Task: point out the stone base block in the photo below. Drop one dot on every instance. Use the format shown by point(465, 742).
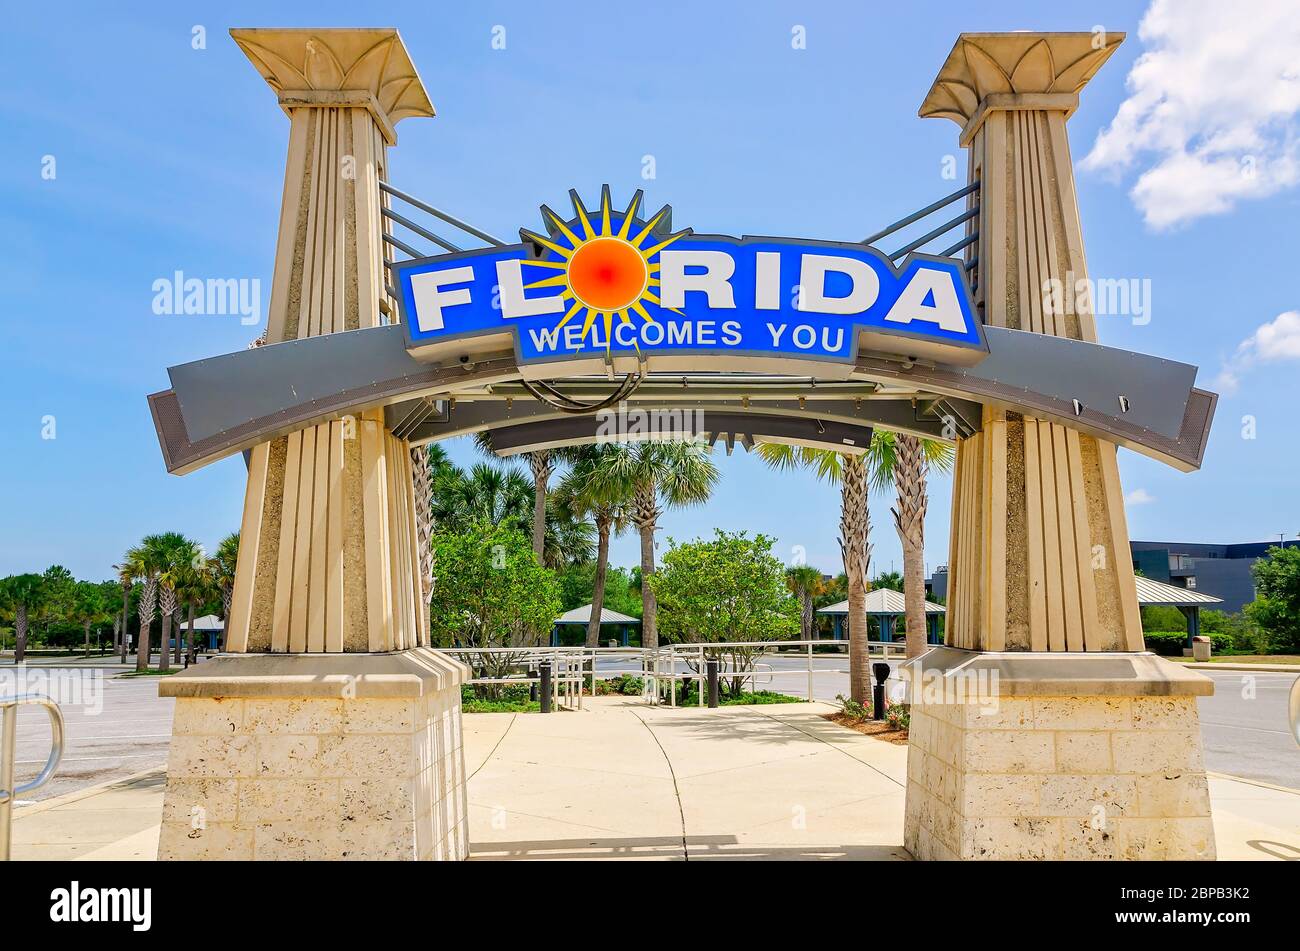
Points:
point(1055, 757)
point(317, 757)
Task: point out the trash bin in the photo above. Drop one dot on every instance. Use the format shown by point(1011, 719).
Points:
point(1200, 648)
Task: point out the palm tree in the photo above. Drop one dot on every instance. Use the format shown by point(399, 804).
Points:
point(850, 471)
point(654, 475)
point(194, 584)
point(487, 493)
point(579, 495)
point(21, 595)
point(150, 560)
point(542, 466)
point(904, 461)
point(222, 565)
point(570, 536)
point(125, 577)
point(806, 582)
point(183, 560)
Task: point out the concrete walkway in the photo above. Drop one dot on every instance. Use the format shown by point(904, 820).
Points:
point(620, 780)
point(624, 780)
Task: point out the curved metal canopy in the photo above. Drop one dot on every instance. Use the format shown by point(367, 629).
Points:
point(226, 404)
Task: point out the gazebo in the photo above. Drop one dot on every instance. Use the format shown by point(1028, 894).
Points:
point(1158, 594)
point(581, 616)
point(208, 628)
point(886, 606)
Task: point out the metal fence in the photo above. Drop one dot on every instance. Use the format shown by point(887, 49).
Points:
point(574, 671)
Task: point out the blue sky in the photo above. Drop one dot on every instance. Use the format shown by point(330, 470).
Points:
point(170, 158)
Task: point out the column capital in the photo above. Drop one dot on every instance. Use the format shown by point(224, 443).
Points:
point(992, 71)
point(360, 68)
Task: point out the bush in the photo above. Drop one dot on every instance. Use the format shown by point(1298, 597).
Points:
point(627, 685)
point(898, 715)
point(1171, 643)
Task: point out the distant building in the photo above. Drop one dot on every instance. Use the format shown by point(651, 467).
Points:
point(1220, 570)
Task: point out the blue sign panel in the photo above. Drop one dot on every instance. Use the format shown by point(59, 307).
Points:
point(609, 282)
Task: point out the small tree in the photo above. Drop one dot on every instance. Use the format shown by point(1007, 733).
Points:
point(1277, 604)
point(21, 596)
point(490, 591)
point(729, 589)
point(90, 605)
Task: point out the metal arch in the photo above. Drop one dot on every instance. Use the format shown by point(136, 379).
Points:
point(933, 418)
point(222, 405)
point(746, 427)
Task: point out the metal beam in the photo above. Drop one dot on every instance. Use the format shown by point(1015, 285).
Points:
point(223, 405)
point(801, 431)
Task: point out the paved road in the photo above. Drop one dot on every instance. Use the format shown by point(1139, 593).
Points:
point(117, 727)
point(1245, 734)
point(112, 728)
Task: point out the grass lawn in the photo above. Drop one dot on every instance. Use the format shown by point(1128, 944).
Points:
point(152, 672)
point(1252, 659)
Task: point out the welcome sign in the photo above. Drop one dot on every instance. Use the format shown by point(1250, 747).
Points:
point(610, 283)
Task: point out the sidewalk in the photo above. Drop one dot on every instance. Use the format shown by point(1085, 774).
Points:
point(622, 780)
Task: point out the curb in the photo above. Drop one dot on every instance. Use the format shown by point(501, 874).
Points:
point(1264, 668)
point(79, 794)
point(1253, 782)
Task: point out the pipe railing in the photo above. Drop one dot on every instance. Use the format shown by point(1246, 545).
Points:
point(8, 738)
point(575, 669)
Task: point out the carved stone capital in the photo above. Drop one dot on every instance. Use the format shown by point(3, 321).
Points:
point(366, 68)
point(987, 71)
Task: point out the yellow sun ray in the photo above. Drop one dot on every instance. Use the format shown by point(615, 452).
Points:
point(554, 265)
point(663, 244)
point(560, 280)
point(649, 227)
point(582, 213)
point(577, 306)
point(630, 214)
point(642, 312)
point(562, 251)
point(604, 212)
point(564, 228)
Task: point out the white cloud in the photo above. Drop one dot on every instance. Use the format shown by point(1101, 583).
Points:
point(1275, 341)
point(1139, 497)
point(1211, 117)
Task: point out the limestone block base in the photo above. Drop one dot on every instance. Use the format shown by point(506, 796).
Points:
point(317, 757)
point(1062, 756)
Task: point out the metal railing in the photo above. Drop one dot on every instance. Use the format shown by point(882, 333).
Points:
point(404, 215)
point(575, 670)
point(8, 737)
point(968, 221)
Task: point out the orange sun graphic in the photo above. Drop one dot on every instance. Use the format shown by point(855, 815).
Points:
point(608, 270)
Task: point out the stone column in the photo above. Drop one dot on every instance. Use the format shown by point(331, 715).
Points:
point(1041, 579)
point(349, 746)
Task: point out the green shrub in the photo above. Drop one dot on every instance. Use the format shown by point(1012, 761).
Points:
point(853, 709)
point(898, 715)
point(1171, 643)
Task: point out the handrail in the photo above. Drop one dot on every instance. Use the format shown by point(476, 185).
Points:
point(8, 736)
point(574, 667)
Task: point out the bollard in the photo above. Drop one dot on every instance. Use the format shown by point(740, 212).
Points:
point(878, 691)
point(544, 690)
point(711, 667)
point(532, 686)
